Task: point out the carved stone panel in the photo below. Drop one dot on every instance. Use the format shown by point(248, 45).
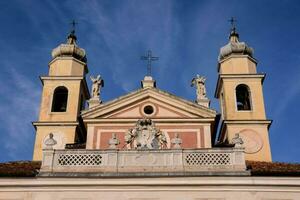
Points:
point(145, 136)
point(252, 141)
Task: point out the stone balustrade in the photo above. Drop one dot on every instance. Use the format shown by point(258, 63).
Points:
point(165, 162)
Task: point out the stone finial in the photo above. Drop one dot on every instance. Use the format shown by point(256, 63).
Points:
point(148, 82)
point(50, 142)
point(98, 83)
point(237, 141)
point(199, 83)
point(113, 142)
point(176, 141)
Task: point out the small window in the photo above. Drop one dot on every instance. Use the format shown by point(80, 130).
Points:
point(60, 99)
point(243, 97)
point(148, 110)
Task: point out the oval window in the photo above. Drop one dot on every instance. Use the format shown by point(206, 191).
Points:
point(148, 110)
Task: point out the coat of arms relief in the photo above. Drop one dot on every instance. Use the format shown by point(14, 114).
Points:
point(145, 136)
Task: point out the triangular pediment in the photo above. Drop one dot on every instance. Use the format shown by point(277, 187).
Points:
point(151, 103)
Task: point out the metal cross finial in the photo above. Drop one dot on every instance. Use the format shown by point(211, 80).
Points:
point(149, 58)
point(73, 24)
point(232, 22)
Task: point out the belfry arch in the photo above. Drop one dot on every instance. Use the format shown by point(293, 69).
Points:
point(243, 97)
point(60, 99)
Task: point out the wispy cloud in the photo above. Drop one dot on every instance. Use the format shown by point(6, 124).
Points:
point(288, 94)
point(124, 32)
point(18, 107)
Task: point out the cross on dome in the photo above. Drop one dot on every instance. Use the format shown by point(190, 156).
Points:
point(232, 22)
point(73, 26)
point(72, 37)
point(234, 36)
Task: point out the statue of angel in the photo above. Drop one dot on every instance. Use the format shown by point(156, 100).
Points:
point(199, 83)
point(98, 83)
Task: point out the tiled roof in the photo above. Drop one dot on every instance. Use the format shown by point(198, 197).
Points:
point(273, 168)
point(20, 169)
point(31, 169)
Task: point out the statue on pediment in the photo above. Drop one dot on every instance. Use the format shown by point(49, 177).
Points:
point(95, 99)
point(145, 136)
point(199, 83)
point(98, 83)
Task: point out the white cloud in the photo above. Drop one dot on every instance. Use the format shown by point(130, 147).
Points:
point(18, 107)
point(288, 94)
point(124, 30)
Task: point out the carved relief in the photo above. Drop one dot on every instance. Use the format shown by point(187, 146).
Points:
point(145, 136)
point(252, 141)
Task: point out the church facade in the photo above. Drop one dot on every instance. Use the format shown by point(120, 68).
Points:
point(239, 89)
point(150, 144)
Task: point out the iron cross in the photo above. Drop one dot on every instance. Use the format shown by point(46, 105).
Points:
point(73, 24)
point(149, 58)
point(232, 22)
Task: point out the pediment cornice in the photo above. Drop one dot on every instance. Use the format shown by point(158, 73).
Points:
point(114, 106)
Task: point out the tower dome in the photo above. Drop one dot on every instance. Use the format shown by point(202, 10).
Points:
point(235, 47)
point(70, 49)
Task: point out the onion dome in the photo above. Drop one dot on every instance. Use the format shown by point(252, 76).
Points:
point(70, 49)
point(235, 47)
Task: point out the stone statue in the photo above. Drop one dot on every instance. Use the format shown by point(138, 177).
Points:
point(199, 83)
point(176, 142)
point(237, 141)
point(113, 142)
point(145, 136)
point(98, 83)
point(50, 142)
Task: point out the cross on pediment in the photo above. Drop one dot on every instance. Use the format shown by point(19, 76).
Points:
point(149, 58)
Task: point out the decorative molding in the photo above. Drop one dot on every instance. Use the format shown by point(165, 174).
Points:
point(131, 98)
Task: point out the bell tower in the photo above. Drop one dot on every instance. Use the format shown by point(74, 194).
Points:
point(240, 92)
point(64, 95)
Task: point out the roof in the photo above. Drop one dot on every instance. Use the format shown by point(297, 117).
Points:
point(132, 97)
point(20, 169)
point(31, 168)
point(273, 168)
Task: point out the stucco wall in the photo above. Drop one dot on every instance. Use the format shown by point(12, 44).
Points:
point(187, 188)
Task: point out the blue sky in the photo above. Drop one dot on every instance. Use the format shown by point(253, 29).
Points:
point(186, 35)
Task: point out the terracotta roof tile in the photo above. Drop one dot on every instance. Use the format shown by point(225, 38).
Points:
point(20, 169)
point(273, 168)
